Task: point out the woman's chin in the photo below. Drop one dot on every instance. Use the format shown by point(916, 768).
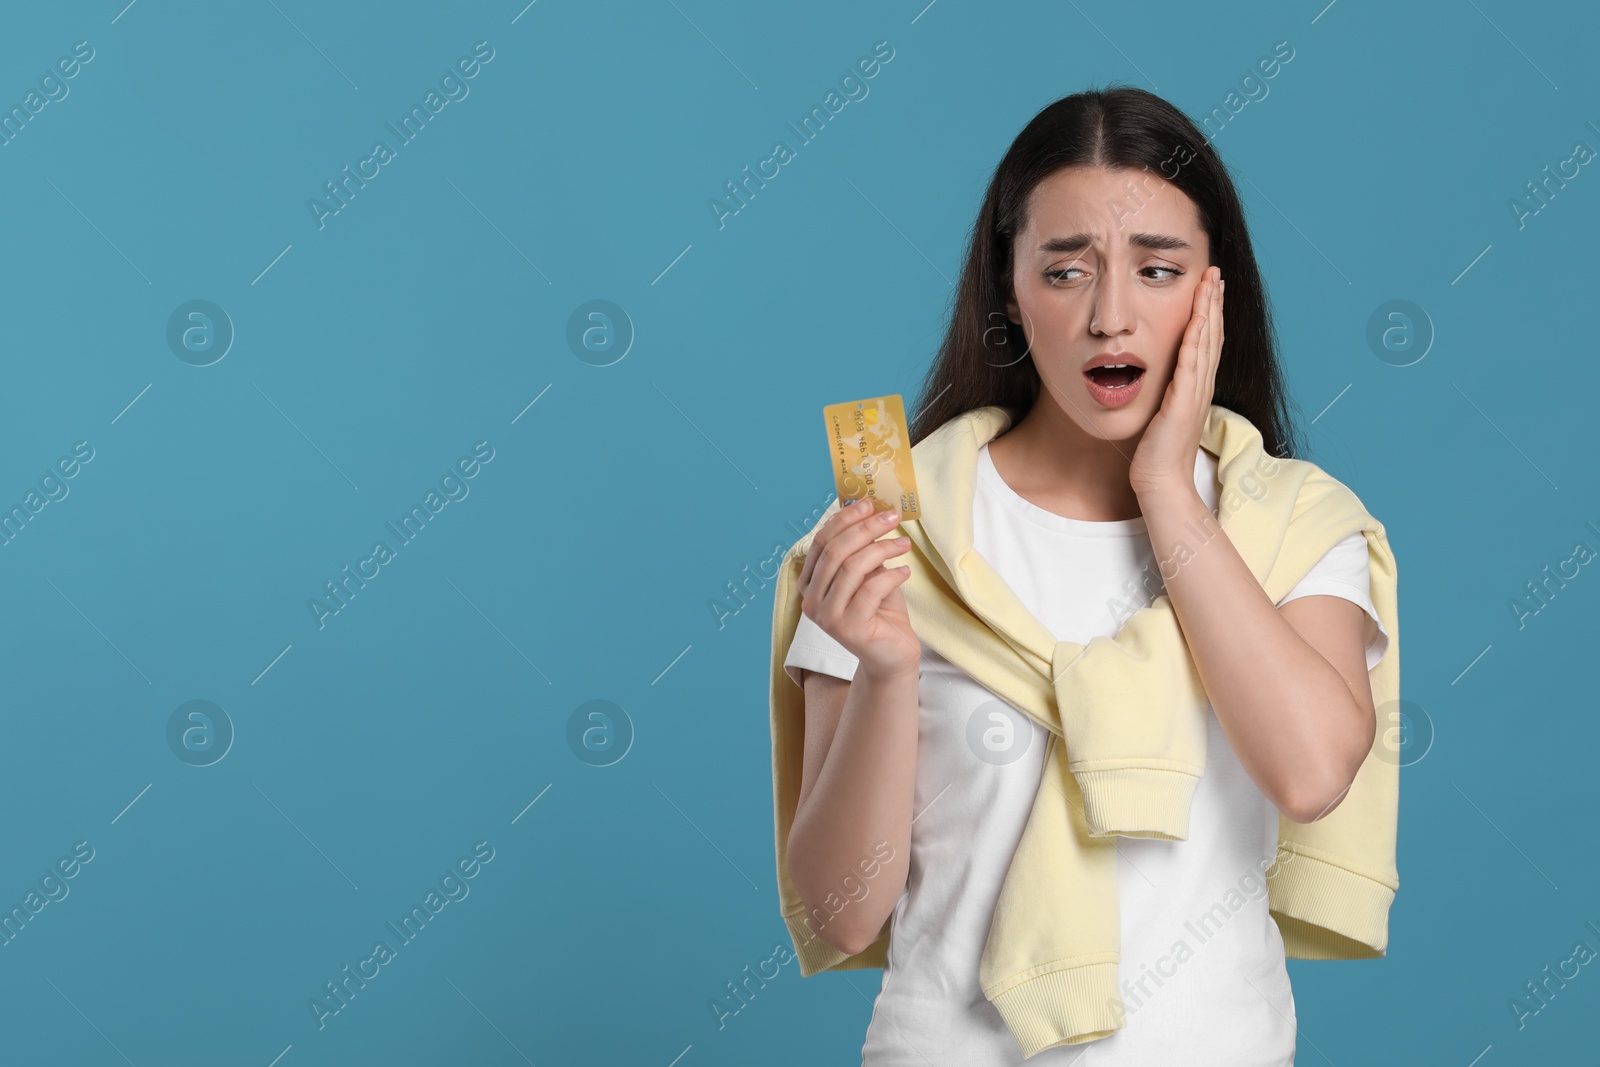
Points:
point(1125, 423)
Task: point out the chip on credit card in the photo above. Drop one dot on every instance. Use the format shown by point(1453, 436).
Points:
point(871, 448)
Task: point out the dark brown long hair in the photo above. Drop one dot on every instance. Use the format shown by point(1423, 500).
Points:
point(1118, 126)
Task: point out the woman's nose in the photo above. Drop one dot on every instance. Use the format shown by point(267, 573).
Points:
point(1110, 305)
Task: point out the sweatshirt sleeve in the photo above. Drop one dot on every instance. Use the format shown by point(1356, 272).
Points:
point(1344, 572)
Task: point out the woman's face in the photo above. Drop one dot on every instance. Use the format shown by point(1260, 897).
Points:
point(1108, 264)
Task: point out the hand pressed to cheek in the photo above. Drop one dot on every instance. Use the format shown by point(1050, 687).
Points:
point(1165, 456)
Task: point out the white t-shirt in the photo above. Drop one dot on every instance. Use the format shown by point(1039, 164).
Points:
point(1202, 970)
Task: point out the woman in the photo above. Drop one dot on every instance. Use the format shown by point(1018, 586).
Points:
point(1090, 307)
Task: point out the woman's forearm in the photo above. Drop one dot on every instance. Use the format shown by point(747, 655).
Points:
point(858, 812)
point(1287, 711)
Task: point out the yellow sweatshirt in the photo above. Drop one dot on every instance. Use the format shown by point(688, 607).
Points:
point(1127, 717)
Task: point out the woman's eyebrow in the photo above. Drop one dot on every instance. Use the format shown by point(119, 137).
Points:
point(1077, 242)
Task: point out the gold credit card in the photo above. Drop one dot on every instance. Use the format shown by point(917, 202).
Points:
point(871, 448)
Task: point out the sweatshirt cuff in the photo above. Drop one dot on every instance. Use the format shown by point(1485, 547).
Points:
point(1137, 802)
point(1328, 912)
point(1067, 1006)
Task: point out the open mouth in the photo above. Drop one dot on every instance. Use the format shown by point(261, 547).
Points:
point(1115, 377)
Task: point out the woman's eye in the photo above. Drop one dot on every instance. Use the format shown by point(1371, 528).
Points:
point(1059, 275)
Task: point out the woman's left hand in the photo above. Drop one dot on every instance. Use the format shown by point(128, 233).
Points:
point(1166, 453)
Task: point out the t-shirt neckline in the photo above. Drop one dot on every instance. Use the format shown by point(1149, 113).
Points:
point(990, 478)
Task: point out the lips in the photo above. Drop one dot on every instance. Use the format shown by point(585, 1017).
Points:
point(1114, 370)
point(1113, 377)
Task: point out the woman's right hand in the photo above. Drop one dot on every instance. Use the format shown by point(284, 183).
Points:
point(846, 589)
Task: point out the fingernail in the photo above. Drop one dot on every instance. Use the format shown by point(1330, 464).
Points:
point(889, 517)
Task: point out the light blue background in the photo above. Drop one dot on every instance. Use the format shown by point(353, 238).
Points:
point(429, 313)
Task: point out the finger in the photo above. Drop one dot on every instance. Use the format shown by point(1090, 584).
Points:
point(847, 516)
point(869, 597)
point(841, 520)
point(869, 600)
point(1189, 355)
point(1200, 364)
point(1216, 311)
point(845, 563)
point(1202, 367)
point(840, 592)
point(1191, 336)
point(1216, 352)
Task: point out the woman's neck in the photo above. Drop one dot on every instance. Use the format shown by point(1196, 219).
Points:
point(1051, 462)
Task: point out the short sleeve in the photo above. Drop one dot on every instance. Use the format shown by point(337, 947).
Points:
point(814, 649)
point(1344, 572)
